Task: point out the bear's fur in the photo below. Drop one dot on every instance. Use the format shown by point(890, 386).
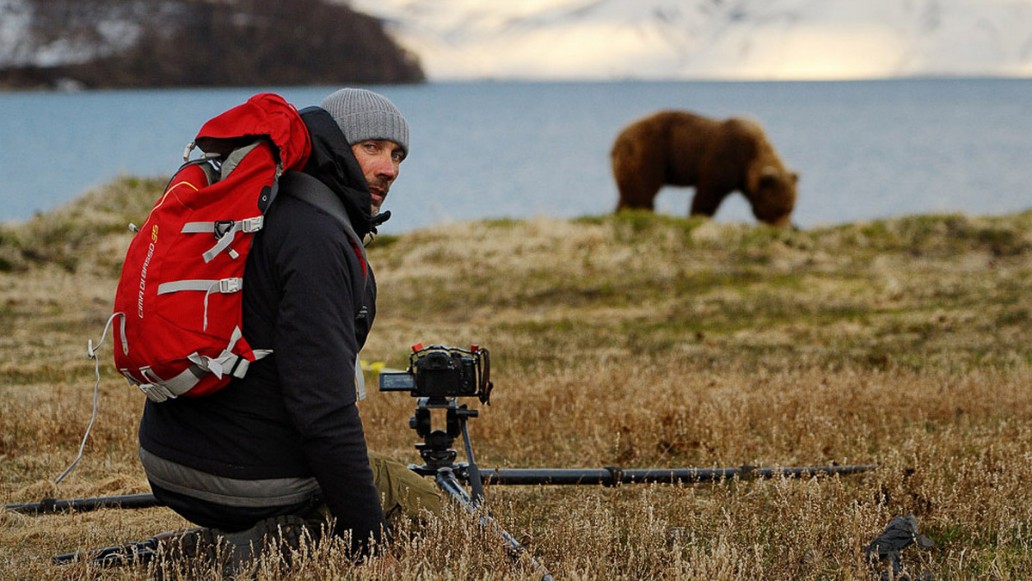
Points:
point(717, 157)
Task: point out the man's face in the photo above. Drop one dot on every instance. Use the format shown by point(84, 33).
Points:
point(379, 160)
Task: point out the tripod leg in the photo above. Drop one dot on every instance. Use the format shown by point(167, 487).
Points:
point(447, 481)
point(475, 482)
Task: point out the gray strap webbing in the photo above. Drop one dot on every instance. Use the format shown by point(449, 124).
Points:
point(225, 285)
point(159, 389)
point(198, 228)
point(173, 387)
point(246, 225)
point(252, 224)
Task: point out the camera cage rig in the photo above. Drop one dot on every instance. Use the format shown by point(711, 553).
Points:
point(438, 376)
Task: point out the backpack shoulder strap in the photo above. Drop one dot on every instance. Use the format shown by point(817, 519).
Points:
point(312, 191)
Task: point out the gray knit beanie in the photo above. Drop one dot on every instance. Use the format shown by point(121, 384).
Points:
point(364, 115)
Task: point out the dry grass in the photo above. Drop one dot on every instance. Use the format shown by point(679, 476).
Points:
point(634, 341)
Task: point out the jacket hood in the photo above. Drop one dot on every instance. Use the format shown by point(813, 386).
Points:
point(332, 162)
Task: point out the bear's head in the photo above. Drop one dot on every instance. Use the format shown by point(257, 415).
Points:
point(774, 196)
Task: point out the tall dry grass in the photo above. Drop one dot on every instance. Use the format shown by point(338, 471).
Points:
point(631, 341)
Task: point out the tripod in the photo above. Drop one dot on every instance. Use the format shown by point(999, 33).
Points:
point(439, 462)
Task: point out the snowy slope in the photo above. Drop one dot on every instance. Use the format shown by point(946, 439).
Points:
point(731, 39)
point(73, 42)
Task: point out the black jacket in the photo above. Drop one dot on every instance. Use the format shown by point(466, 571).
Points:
point(294, 414)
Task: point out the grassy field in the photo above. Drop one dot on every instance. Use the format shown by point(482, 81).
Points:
point(632, 341)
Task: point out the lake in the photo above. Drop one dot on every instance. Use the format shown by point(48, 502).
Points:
point(864, 149)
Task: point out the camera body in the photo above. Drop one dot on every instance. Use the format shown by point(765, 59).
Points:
point(440, 372)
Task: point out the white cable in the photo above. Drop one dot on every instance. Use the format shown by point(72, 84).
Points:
point(92, 354)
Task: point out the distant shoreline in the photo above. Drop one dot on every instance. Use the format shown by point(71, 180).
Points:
point(74, 88)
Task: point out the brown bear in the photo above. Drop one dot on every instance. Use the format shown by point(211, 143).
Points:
point(716, 156)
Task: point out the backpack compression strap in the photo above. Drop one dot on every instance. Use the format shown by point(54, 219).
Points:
point(227, 363)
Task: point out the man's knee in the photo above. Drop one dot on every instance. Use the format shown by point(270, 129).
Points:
point(402, 490)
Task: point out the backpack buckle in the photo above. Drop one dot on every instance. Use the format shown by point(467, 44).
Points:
point(223, 227)
point(248, 225)
point(230, 285)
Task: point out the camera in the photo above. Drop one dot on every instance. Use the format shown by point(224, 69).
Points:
point(440, 372)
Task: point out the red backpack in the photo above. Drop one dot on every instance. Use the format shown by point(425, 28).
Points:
point(178, 307)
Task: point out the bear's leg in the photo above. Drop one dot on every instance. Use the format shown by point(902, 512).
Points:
point(637, 196)
point(706, 200)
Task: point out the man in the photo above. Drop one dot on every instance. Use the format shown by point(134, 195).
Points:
point(287, 439)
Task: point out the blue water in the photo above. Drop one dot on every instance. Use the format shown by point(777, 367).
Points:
point(865, 150)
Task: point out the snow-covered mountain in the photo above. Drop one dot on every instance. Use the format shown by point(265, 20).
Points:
point(725, 39)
